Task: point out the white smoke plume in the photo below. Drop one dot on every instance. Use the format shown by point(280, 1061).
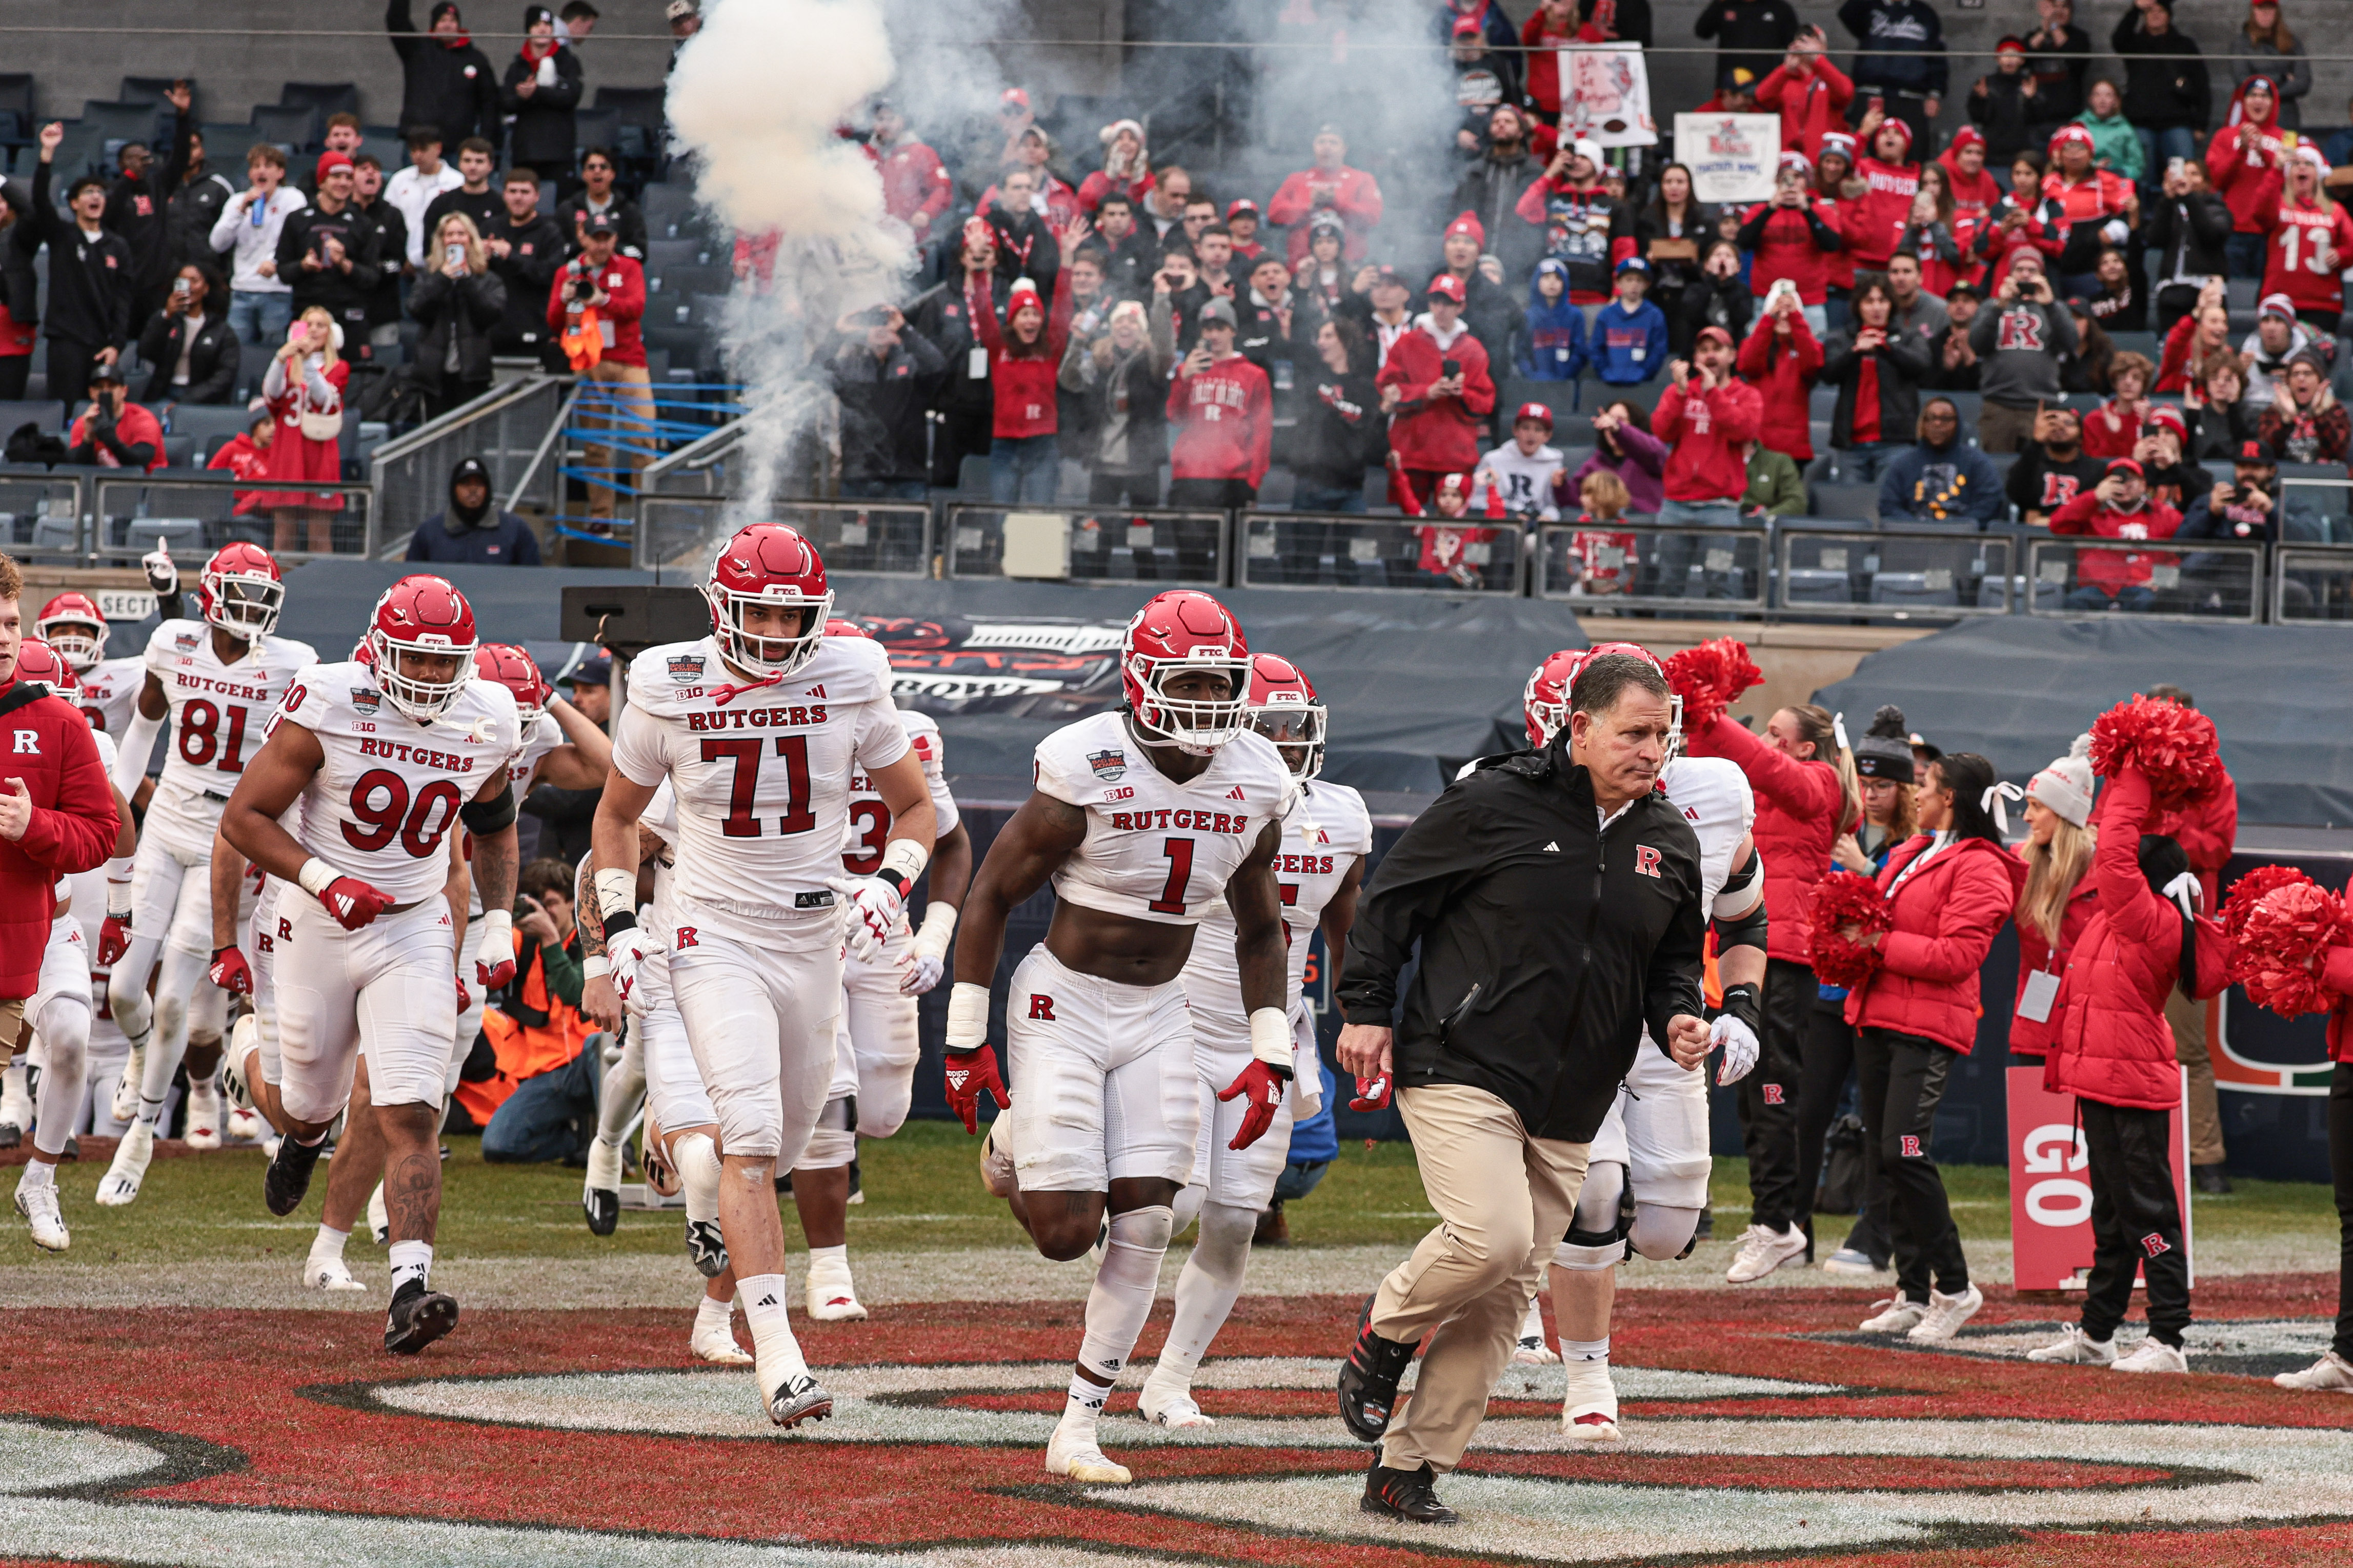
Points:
point(755, 101)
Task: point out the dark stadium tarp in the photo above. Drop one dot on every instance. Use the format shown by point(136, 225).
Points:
point(1415, 682)
point(2018, 689)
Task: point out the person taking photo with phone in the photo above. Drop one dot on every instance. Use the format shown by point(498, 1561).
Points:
point(2019, 340)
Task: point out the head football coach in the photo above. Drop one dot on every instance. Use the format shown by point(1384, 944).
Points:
point(1557, 901)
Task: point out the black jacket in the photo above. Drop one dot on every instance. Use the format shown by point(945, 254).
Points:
point(471, 307)
point(1492, 189)
point(1707, 301)
point(535, 254)
point(20, 285)
point(2199, 223)
point(2038, 482)
point(140, 209)
point(456, 91)
point(940, 320)
point(2058, 69)
point(90, 281)
point(1752, 33)
point(1899, 44)
point(1547, 944)
point(390, 253)
point(212, 363)
point(344, 293)
point(2006, 115)
point(1341, 432)
point(628, 222)
point(883, 408)
point(2165, 77)
point(1903, 362)
point(489, 209)
point(194, 208)
point(542, 134)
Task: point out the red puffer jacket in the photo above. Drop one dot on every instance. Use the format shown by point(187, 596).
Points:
point(2112, 1044)
point(1945, 917)
point(72, 829)
point(2033, 1036)
point(1797, 823)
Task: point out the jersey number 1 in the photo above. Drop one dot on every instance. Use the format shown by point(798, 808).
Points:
point(1171, 900)
point(743, 790)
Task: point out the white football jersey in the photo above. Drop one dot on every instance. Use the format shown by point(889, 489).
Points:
point(1157, 849)
point(763, 777)
point(109, 693)
point(1325, 830)
point(869, 819)
point(386, 798)
point(220, 712)
point(540, 736)
point(1714, 798)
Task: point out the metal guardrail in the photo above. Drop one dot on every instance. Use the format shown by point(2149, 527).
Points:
point(2213, 581)
point(1348, 549)
point(507, 427)
point(1637, 564)
point(1903, 573)
point(2311, 584)
point(1087, 544)
point(130, 512)
point(48, 516)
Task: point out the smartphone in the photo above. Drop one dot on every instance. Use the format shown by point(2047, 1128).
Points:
point(453, 256)
point(1450, 368)
point(180, 287)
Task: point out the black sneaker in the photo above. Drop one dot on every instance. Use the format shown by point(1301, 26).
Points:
point(800, 1399)
point(418, 1318)
point(1705, 1229)
point(1409, 1495)
point(603, 1208)
point(1369, 1379)
point(707, 1247)
point(288, 1176)
point(2210, 1179)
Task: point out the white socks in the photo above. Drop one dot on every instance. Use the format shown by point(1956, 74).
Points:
point(329, 1243)
point(1124, 1284)
point(64, 1030)
point(1205, 1291)
point(698, 1175)
point(714, 1317)
point(1083, 1406)
point(410, 1260)
point(765, 1314)
point(1575, 1350)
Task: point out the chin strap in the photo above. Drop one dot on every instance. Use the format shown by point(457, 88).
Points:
point(722, 695)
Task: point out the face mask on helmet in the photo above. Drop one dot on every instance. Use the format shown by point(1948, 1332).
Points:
point(77, 640)
point(244, 606)
point(423, 694)
point(1196, 723)
point(1297, 731)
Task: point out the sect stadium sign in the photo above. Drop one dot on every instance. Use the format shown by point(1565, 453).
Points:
point(1028, 668)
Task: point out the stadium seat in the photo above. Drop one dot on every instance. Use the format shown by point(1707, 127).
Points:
point(225, 147)
point(2144, 344)
point(2244, 292)
point(50, 417)
point(595, 128)
point(325, 97)
point(1821, 403)
point(204, 420)
point(663, 255)
point(120, 122)
point(184, 535)
point(1915, 589)
point(639, 106)
point(83, 152)
point(1968, 404)
point(294, 125)
point(972, 478)
point(1844, 502)
point(688, 281)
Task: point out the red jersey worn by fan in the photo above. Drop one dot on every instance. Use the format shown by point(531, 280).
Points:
point(2309, 244)
point(1023, 382)
point(2113, 571)
point(1808, 103)
point(1879, 217)
point(1351, 192)
point(1441, 433)
point(1801, 244)
point(1224, 419)
point(1705, 427)
point(1783, 369)
point(246, 462)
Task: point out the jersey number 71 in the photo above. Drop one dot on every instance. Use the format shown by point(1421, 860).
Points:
point(744, 790)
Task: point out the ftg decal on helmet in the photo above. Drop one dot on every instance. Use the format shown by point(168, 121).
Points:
point(74, 626)
point(422, 617)
point(1176, 634)
point(770, 565)
point(1283, 708)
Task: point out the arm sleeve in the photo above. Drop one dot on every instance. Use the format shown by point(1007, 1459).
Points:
point(1422, 872)
point(1978, 903)
point(2076, 516)
point(78, 833)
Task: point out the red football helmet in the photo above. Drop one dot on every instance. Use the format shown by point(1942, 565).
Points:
point(1283, 708)
point(771, 565)
point(38, 660)
point(1179, 632)
point(241, 590)
point(1545, 704)
point(74, 626)
point(513, 668)
point(422, 617)
point(838, 628)
point(362, 653)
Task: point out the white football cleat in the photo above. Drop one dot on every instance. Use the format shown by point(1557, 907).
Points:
point(996, 1167)
point(204, 1128)
point(126, 1087)
point(1944, 1316)
point(328, 1274)
point(1589, 1415)
point(245, 1127)
point(379, 1217)
point(2074, 1347)
point(39, 1207)
point(1898, 1316)
point(1073, 1452)
point(2152, 1354)
point(1531, 1349)
point(1165, 1404)
point(834, 1300)
point(1762, 1251)
point(120, 1183)
point(716, 1342)
point(2332, 1373)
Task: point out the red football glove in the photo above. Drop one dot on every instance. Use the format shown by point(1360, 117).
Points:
point(355, 903)
point(114, 940)
point(465, 999)
point(969, 1073)
point(494, 976)
point(229, 970)
point(1372, 1094)
point(1266, 1088)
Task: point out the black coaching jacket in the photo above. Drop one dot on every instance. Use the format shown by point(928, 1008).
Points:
point(1547, 944)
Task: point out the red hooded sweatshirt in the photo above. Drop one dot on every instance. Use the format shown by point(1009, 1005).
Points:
point(1439, 434)
point(1975, 196)
point(1783, 369)
point(1223, 418)
point(1809, 103)
point(2113, 571)
point(72, 829)
point(1878, 219)
point(2237, 172)
point(1023, 383)
point(1704, 430)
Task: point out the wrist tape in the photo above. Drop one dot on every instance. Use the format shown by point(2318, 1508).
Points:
point(315, 875)
point(933, 936)
point(1270, 1039)
point(967, 1016)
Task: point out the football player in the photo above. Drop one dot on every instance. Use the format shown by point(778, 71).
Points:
point(386, 760)
point(876, 1047)
point(1654, 1141)
point(58, 1012)
point(759, 727)
point(218, 679)
point(1326, 834)
point(1144, 819)
point(104, 689)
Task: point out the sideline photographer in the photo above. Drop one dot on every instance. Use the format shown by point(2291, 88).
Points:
point(2019, 340)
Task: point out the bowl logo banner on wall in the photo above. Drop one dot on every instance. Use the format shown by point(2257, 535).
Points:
point(1031, 668)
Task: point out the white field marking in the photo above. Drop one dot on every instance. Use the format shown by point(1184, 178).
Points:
point(35, 1458)
point(898, 1404)
point(2254, 1474)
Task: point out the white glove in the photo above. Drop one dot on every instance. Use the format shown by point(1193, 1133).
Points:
point(162, 574)
point(873, 907)
point(920, 972)
point(1740, 1048)
point(2115, 231)
point(627, 950)
point(927, 954)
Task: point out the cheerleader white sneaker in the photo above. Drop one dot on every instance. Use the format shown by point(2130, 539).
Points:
point(2074, 1347)
point(1944, 1316)
point(1900, 1315)
point(2332, 1373)
point(2153, 1354)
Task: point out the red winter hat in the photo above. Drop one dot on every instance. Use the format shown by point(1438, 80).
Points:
point(1840, 142)
point(333, 161)
point(1891, 124)
point(1718, 333)
point(1448, 286)
point(977, 232)
point(2067, 133)
point(1468, 223)
point(1967, 136)
point(2172, 418)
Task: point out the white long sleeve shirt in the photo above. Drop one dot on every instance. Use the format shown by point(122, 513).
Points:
point(256, 243)
point(411, 191)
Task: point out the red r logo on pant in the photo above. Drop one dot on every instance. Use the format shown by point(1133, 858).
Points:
point(1043, 1007)
point(2154, 1244)
point(1773, 1095)
point(685, 938)
point(1911, 1147)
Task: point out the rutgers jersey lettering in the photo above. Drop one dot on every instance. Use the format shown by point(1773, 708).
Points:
point(2058, 489)
point(870, 818)
point(2022, 329)
point(762, 779)
point(219, 711)
point(1325, 830)
point(1157, 849)
point(108, 692)
point(385, 801)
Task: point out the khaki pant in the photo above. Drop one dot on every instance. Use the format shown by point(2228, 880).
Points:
point(2188, 1021)
point(626, 406)
point(1504, 1201)
point(2003, 429)
point(12, 1024)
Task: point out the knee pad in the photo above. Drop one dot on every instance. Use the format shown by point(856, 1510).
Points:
point(883, 1109)
point(698, 1173)
point(171, 1015)
point(1142, 1230)
point(750, 1124)
point(1598, 1203)
point(1187, 1209)
point(833, 1143)
point(1662, 1234)
point(1591, 1259)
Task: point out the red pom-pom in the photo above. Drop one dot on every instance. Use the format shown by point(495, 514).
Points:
point(1841, 899)
point(2282, 943)
point(2245, 893)
point(1709, 677)
point(2173, 745)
